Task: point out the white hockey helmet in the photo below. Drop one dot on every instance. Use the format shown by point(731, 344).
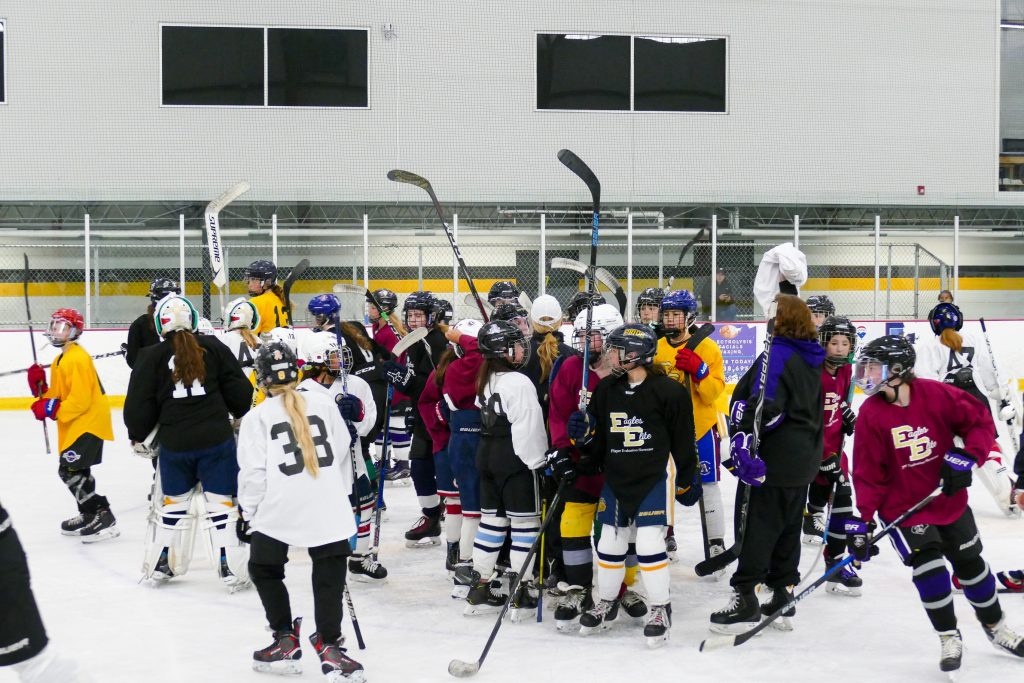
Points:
point(205, 328)
point(241, 313)
point(605, 319)
point(467, 326)
point(546, 312)
point(174, 313)
point(321, 348)
point(285, 335)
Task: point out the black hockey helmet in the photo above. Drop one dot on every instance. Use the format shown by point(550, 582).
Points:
point(651, 296)
point(502, 289)
point(445, 312)
point(578, 302)
point(505, 311)
point(820, 303)
point(945, 316)
point(833, 325)
point(420, 301)
point(161, 287)
point(276, 364)
point(262, 270)
point(386, 298)
point(498, 340)
point(635, 344)
point(883, 360)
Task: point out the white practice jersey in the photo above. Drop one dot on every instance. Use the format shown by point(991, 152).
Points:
point(521, 407)
point(935, 361)
point(276, 493)
point(361, 390)
point(240, 350)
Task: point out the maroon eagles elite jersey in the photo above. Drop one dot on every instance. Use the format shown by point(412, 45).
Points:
point(836, 390)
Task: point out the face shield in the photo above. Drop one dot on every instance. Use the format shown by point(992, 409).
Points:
point(870, 375)
point(60, 332)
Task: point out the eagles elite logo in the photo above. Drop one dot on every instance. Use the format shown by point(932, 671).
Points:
point(831, 407)
point(631, 428)
point(917, 440)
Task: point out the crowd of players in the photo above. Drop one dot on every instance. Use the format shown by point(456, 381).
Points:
point(260, 444)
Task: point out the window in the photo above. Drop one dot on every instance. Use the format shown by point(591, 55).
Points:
point(317, 67)
point(3, 65)
point(630, 73)
point(679, 74)
point(259, 66)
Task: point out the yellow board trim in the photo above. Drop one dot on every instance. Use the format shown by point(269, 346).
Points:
point(25, 402)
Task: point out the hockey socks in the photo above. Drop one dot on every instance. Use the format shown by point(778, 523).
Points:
point(931, 578)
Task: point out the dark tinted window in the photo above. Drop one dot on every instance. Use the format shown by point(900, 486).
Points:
point(582, 72)
point(317, 67)
point(3, 64)
point(212, 65)
point(679, 74)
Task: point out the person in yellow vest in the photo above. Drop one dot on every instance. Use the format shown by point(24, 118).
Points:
point(267, 296)
point(75, 400)
point(697, 363)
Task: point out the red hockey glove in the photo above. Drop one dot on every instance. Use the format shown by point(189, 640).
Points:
point(46, 408)
point(690, 363)
point(37, 380)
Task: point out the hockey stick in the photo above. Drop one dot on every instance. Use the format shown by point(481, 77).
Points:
point(297, 272)
point(602, 275)
point(35, 358)
point(732, 553)
point(352, 616)
point(382, 466)
point(214, 243)
point(399, 176)
point(686, 248)
point(732, 641)
point(471, 301)
point(7, 373)
point(463, 669)
point(390, 319)
point(355, 477)
point(1003, 401)
point(583, 172)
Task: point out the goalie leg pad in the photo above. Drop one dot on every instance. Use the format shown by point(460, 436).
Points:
point(172, 529)
point(994, 475)
point(219, 526)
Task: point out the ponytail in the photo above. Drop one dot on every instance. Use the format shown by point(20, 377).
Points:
point(489, 367)
point(295, 406)
point(249, 338)
point(547, 350)
point(951, 338)
point(397, 324)
point(442, 366)
point(278, 292)
point(189, 367)
point(358, 337)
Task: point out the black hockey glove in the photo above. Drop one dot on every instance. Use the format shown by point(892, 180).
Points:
point(849, 418)
point(956, 470)
point(858, 533)
point(581, 427)
point(831, 467)
point(242, 529)
point(563, 469)
point(397, 374)
point(689, 493)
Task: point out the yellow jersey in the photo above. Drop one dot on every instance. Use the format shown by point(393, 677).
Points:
point(705, 393)
point(83, 403)
point(271, 310)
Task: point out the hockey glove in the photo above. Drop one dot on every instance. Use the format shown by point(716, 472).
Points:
point(749, 468)
point(46, 408)
point(956, 470)
point(581, 427)
point(397, 374)
point(736, 411)
point(858, 535)
point(1007, 413)
point(690, 363)
point(688, 493)
point(350, 407)
point(561, 465)
point(37, 380)
point(243, 530)
point(849, 418)
point(831, 467)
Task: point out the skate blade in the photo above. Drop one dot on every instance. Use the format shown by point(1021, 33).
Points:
point(846, 591)
point(783, 624)
point(70, 533)
point(428, 542)
point(518, 615)
point(811, 540)
point(237, 586)
point(354, 677)
point(591, 630)
point(109, 532)
point(476, 610)
point(363, 578)
point(654, 642)
point(288, 667)
point(407, 481)
point(567, 626)
point(952, 675)
point(460, 592)
point(736, 629)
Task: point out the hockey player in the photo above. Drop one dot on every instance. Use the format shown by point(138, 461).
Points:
point(512, 445)
point(903, 448)
point(141, 332)
point(689, 356)
point(821, 308)
point(515, 314)
point(578, 303)
point(409, 375)
point(648, 306)
point(386, 319)
point(787, 460)
point(295, 471)
point(962, 359)
point(266, 295)
point(24, 645)
point(387, 329)
point(503, 292)
point(189, 387)
point(638, 430)
point(75, 400)
point(241, 317)
point(327, 371)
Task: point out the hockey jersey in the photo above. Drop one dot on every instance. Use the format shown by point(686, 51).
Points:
point(141, 333)
point(360, 390)
point(84, 408)
point(565, 400)
point(271, 309)
point(705, 393)
point(275, 491)
point(937, 361)
point(837, 390)
point(520, 405)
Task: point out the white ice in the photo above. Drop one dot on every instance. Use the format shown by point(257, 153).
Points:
point(192, 630)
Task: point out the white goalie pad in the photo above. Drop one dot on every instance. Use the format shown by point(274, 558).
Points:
point(171, 525)
point(996, 479)
point(148, 448)
point(219, 520)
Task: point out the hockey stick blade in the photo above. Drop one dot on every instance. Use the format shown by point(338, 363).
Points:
point(568, 264)
point(213, 237)
point(400, 176)
point(525, 301)
point(345, 288)
point(470, 300)
point(461, 669)
point(689, 245)
point(408, 340)
point(297, 272)
point(609, 281)
point(576, 165)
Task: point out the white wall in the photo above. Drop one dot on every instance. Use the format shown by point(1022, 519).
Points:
point(828, 101)
point(1011, 74)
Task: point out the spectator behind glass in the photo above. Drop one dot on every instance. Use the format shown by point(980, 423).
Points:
point(726, 309)
point(946, 296)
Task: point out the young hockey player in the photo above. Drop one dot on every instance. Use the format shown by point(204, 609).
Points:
point(75, 400)
point(241, 317)
point(189, 387)
point(787, 460)
point(141, 332)
point(511, 450)
point(648, 306)
point(962, 359)
point(293, 485)
point(689, 355)
point(387, 330)
point(503, 292)
point(327, 371)
point(420, 310)
point(266, 295)
point(821, 308)
point(903, 448)
point(578, 303)
point(638, 430)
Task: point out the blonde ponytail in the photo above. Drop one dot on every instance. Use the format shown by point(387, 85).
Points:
point(950, 338)
point(295, 406)
point(249, 338)
point(547, 350)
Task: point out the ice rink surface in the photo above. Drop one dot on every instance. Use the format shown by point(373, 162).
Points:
point(96, 611)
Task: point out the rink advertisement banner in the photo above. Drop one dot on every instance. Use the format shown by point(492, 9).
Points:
point(739, 345)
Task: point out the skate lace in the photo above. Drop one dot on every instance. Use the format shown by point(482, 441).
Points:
point(1006, 637)
point(819, 522)
point(602, 608)
point(370, 563)
point(952, 646)
point(734, 604)
point(573, 599)
point(714, 550)
point(659, 616)
point(629, 598)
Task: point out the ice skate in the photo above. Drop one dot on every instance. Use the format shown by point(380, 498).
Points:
point(716, 546)
point(282, 656)
point(575, 602)
point(100, 527)
point(599, 617)
point(484, 598)
point(634, 605)
point(367, 569)
point(778, 598)
point(814, 528)
point(233, 582)
point(424, 533)
point(1004, 638)
point(952, 652)
point(399, 473)
point(658, 625)
point(451, 557)
point(741, 614)
point(523, 603)
point(465, 575)
point(843, 582)
point(671, 546)
point(74, 526)
point(459, 592)
point(1012, 581)
point(334, 663)
point(162, 572)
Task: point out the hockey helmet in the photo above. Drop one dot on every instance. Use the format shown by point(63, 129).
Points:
point(66, 325)
point(820, 303)
point(945, 316)
point(161, 287)
point(578, 302)
point(175, 313)
point(883, 360)
point(445, 313)
point(386, 298)
point(420, 301)
point(241, 313)
point(604, 319)
point(324, 307)
point(650, 296)
point(680, 300)
point(276, 363)
point(635, 345)
point(838, 325)
point(498, 340)
point(467, 326)
point(502, 290)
